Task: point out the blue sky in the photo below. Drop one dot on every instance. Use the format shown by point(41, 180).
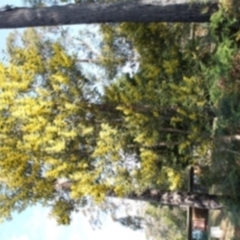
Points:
point(34, 223)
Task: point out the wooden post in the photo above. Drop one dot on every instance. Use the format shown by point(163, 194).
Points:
point(190, 209)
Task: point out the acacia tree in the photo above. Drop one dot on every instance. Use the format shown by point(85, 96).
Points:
point(165, 106)
point(54, 126)
point(132, 11)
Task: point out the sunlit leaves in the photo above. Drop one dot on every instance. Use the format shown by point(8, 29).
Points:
point(141, 131)
point(41, 125)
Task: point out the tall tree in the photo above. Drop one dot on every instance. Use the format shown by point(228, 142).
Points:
point(62, 143)
point(132, 11)
point(54, 126)
point(165, 106)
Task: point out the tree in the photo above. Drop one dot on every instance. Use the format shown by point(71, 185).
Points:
point(133, 222)
point(224, 62)
point(133, 11)
point(27, 91)
point(162, 222)
point(55, 126)
point(165, 106)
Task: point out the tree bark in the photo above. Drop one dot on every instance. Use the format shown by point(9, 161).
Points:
point(180, 199)
point(133, 11)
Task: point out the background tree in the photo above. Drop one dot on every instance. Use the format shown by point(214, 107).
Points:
point(165, 223)
point(158, 222)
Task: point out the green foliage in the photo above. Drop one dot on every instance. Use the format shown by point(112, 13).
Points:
point(165, 105)
point(62, 129)
point(61, 212)
point(224, 93)
point(44, 120)
point(133, 222)
point(55, 125)
point(165, 223)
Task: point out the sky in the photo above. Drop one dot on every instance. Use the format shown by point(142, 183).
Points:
point(35, 224)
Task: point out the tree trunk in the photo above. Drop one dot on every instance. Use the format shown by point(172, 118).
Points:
point(181, 199)
point(133, 11)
